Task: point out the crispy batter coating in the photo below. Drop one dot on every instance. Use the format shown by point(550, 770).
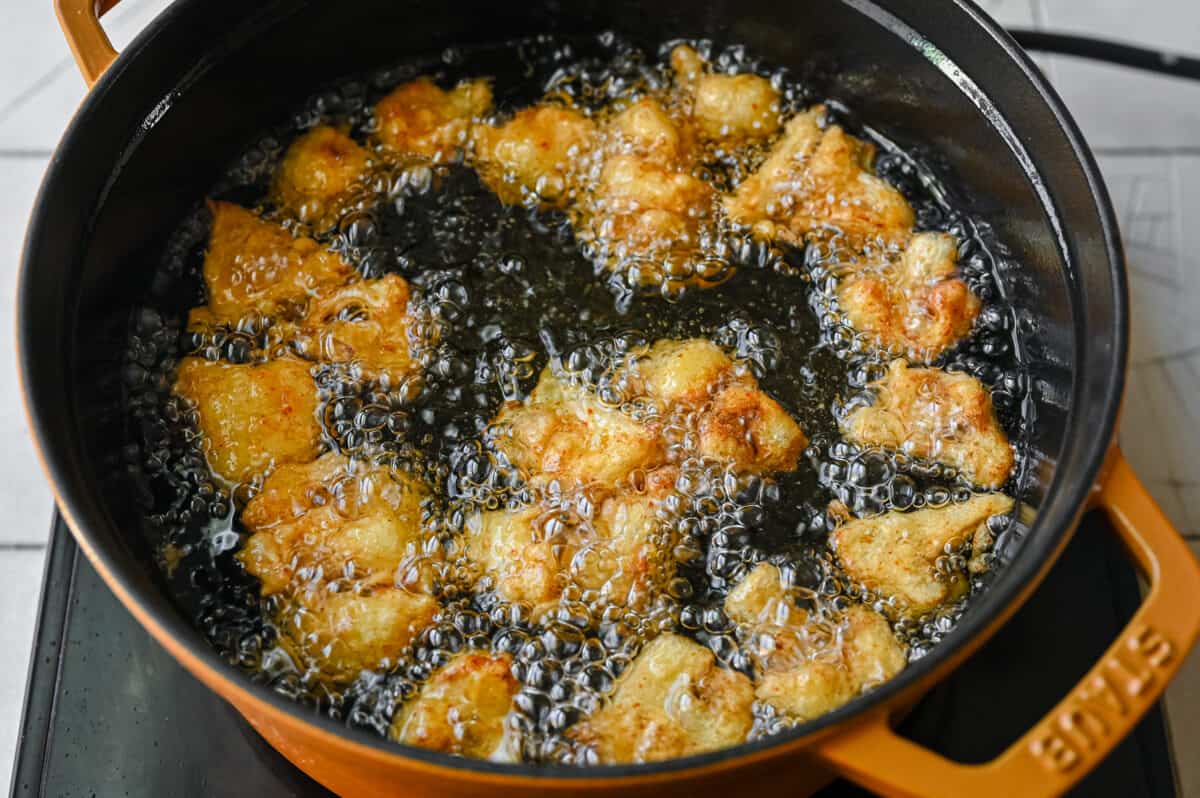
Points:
point(685, 373)
point(896, 554)
point(815, 177)
point(419, 118)
point(252, 417)
point(532, 553)
point(645, 129)
point(731, 109)
point(919, 307)
point(317, 173)
point(332, 518)
point(674, 700)
point(366, 322)
point(462, 708)
point(806, 667)
point(937, 415)
point(563, 431)
point(534, 154)
point(252, 265)
point(750, 430)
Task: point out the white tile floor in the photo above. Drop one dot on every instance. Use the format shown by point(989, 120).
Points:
point(1153, 172)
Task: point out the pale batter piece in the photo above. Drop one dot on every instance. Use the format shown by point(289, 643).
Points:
point(252, 417)
point(806, 665)
point(674, 700)
point(937, 415)
point(918, 307)
point(255, 266)
point(317, 175)
point(730, 109)
point(536, 156)
point(421, 119)
point(461, 709)
point(819, 176)
point(366, 323)
point(897, 554)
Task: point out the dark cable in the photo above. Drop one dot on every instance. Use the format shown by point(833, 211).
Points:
point(1180, 66)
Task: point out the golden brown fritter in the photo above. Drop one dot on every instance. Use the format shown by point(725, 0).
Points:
point(807, 666)
point(343, 633)
point(252, 265)
point(535, 155)
point(730, 109)
point(816, 177)
point(532, 553)
point(367, 323)
point(564, 432)
point(918, 307)
point(419, 118)
point(645, 129)
point(937, 415)
point(462, 708)
point(317, 174)
point(335, 519)
point(252, 417)
point(683, 373)
point(674, 700)
point(896, 554)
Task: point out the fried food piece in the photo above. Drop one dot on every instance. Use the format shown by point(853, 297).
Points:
point(806, 667)
point(750, 430)
point(532, 553)
point(937, 415)
point(919, 307)
point(317, 173)
point(534, 154)
point(335, 518)
point(257, 266)
point(896, 554)
point(344, 633)
point(818, 177)
point(419, 118)
point(461, 710)
point(646, 130)
point(564, 432)
point(365, 322)
point(682, 373)
point(252, 417)
point(731, 109)
point(674, 700)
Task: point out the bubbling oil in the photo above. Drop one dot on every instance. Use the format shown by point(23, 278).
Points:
point(504, 291)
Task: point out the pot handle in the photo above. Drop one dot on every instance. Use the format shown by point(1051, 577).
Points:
point(1098, 712)
point(80, 22)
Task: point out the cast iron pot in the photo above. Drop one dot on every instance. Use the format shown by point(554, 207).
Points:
point(165, 118)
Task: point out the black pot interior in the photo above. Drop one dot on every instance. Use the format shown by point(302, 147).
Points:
point(194, 90)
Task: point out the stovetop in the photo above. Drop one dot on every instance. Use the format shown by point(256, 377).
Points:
point(109, 713)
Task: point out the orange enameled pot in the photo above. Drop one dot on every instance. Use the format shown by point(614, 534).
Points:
point(165, 117)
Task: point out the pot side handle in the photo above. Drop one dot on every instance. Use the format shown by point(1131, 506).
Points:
point(80, 22)
point(1097, 713)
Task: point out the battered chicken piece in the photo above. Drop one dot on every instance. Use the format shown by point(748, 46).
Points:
point(419, 118)
point(252, 417)
point(344, 633)
point(333, 518)
point(685, 373)
point(818, 177)
point(937, 415)
point(674, 700)
point(750, 430)
point(646, 130)
point(564, 432)
point(731, 109)
point(919, 307)
point(533, 553)
point(365, 322)
point(257, 266)
point(462, 708)
point(534, 155)
point(317, 173)
point(805, 666)
point(896, 554)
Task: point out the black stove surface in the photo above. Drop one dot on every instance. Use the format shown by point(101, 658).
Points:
point(109, 713)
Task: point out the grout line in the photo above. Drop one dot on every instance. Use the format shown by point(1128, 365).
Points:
point(21, 546)
point(35, 88)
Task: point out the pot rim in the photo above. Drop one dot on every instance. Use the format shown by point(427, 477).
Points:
point(1011, 587)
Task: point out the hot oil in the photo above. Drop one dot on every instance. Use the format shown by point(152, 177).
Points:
point(509, 291)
